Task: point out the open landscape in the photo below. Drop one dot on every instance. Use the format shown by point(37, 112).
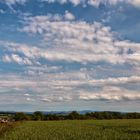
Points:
point(70, 126)
point(74, 130)
point(69, 69)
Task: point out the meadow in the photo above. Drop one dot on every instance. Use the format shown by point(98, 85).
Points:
point(4, 127)
point(75, 130)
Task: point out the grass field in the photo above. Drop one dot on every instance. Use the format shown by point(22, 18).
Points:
point(75, 130)
point(6, 127)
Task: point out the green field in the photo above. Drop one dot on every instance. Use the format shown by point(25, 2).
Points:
point(6, 127)
point(75, 130)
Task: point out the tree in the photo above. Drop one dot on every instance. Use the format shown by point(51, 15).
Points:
point(73, 115)
point(20, 116)
point(38, 116)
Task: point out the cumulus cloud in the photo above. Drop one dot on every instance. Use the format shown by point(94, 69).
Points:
point(64, 81)
point(56, 98)
point(12, 2)
point(69, 16)
point(66, 40)
point(64, 87)
point(111, 94)
point(17, 59)
point(135, 3)
point(96, 3)
point(75, 41)
point(75, 2)
point(71, 41)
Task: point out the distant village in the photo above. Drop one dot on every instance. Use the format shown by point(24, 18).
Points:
point(6, 117)
point(6, 120)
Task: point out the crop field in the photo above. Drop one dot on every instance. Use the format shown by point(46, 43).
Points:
point(6, 127)
point(74, 130)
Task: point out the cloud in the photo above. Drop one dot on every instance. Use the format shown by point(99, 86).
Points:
point(68, 86)
point(111, 94)
point(56, 98)
point(17, 59)
point(69, 16)
point(96, 3)
point(12, 2)
point(18, 53)
point(135, 3)
point(75, 2)
point(64, 39)
point(68, 41)
point(61, 82)
point(75, 41)
point(2, 11)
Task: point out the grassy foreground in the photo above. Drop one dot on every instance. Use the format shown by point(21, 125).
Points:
point(4, 127)
point(75, 130)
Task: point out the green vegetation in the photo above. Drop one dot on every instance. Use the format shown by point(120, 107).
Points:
point(76, 130)
point(4, 127)
point(19, 116)
point(42, 116)
point(71, 126)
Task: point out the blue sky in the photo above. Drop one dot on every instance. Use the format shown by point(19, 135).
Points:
point(69, 55)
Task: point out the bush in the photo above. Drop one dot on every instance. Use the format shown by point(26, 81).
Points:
point(20, 116)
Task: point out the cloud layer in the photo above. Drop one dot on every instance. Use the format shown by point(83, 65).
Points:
point(69, 41)
point(78, 41)
point(58, 58)
point(12, 2)
point(96, 2)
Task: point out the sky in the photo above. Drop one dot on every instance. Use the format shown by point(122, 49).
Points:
point(62, 55)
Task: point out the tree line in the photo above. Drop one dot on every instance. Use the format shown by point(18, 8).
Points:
point(39, 116)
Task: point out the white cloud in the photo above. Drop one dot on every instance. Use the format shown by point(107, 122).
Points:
point(6, 58)
point(55, 98)
point(115, 81)
point(64, 80)
point(96, 3)
point(64, 39)
point(111, 94)
point(69, 16)
point(75, 2)
point(135, 2)
point(78, 41)
point(64, 87)
point(51, 1)
point(17, 59)
point(12, 2)
point(71, 41)
point(52, 84)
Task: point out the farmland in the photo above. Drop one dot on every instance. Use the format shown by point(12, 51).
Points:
point(75, 130)
point(5, 127)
